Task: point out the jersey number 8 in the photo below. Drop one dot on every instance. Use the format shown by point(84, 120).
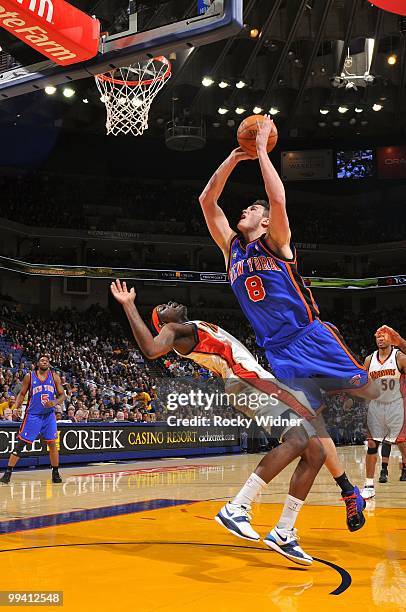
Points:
point(255, 288)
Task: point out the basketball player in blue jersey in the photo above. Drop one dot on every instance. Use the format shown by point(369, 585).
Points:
point(45, 392)
point(302, 351)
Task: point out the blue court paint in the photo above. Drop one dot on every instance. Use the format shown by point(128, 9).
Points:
point(90, 514)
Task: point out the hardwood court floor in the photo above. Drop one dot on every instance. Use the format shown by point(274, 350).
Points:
point(143, 535)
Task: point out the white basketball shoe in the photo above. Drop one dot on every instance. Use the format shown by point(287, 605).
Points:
point(285, 542)
point(237, 520)
point(368, 491)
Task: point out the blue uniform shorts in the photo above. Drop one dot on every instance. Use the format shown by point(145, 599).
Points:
point(317, 360)
point(35, 425)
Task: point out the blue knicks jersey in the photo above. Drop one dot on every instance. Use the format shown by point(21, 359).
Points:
point(270, 291)
point(41, 392)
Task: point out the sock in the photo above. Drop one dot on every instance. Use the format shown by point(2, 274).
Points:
point(403, 466)
point(384, 467)
point(9, 468)
point(249, 491)
point(344, 483)
point(55, 468)
point(369, 482)
point(290, 513)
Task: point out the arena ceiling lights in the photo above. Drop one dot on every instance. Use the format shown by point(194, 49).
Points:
point(208, 81)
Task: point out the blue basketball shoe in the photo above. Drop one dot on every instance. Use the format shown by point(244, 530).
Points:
point(354, 504)
point(285, 542)
point(237, 520)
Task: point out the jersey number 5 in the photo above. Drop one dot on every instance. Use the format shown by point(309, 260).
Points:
point(255, 288)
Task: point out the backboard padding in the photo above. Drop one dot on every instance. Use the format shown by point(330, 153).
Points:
point(222, 20)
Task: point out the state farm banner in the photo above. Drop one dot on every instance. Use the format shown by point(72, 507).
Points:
point(392, 6)
point(54, 28)
point(307, 165)
point(391, 162)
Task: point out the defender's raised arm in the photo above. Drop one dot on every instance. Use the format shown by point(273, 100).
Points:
point(172, 333)
point(151, 347)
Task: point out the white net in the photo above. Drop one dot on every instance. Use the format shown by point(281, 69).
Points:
point(129, 92)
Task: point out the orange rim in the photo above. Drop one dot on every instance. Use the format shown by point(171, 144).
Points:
point(160, 58)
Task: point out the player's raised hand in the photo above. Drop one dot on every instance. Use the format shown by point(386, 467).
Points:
point(240, 155)
point(390, 335)
point(121, 293)
point(264, 129)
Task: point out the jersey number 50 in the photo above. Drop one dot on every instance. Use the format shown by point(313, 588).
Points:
point(388, 384)
point(255, 288)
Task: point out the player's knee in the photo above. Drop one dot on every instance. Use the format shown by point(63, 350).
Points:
point(386, 449)
point(18, 449)
point(373, 446)
point(297, 439)
point(322, 453)
point(316, 452)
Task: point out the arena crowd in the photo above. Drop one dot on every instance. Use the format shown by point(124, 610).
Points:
point(106, 378)
point(82, 202)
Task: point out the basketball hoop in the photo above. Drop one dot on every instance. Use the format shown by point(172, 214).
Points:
point(128, 93)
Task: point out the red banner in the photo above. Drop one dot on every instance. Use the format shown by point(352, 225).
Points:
point(392, 162)
point(54, 28)
point(393, 6)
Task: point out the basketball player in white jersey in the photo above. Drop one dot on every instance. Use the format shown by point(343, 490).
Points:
point(395, 339)
point(386, 419)
point(218, 351)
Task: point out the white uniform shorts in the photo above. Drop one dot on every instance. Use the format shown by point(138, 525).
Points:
point(387, 421)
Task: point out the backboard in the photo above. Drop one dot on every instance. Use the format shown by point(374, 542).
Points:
point(133, 30)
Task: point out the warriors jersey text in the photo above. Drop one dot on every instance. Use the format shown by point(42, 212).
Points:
point(221, 353)
point(390, 378)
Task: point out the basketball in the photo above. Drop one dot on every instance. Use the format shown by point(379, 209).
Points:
point(247, 134)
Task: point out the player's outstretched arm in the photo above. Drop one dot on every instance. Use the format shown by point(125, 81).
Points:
point(216, 220)
point(392, 336)
point(279, 233)
point(151, 347)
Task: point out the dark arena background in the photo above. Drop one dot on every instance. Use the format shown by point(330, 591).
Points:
point(143, 472)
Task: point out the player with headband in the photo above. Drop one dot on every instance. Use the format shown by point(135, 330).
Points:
point(215, 349)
